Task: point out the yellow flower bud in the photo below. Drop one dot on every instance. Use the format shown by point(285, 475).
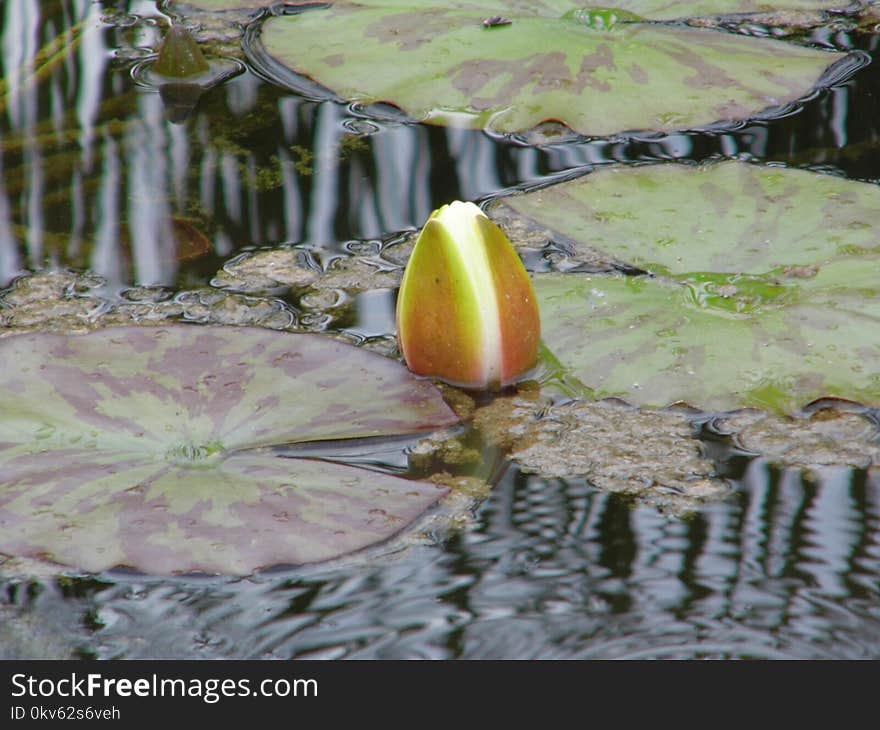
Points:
point(467, 312)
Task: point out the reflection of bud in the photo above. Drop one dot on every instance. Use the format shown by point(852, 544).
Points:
point(180, 100)
point(467, 312)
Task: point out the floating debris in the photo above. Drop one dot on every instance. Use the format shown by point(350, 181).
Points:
point(64, 301)
point(842, 434)
point(496, 21)
point(358, 273)
point(651, 456)
point(265, 271)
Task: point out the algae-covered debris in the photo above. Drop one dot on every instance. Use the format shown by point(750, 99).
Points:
point(266, 270)
point(651, 456)
point(359, 273)
point(61, 297)
point(65, 301)
point(446, 447)
point(838, 435)
point(210, 306)
point(322, 300)
point(399, 248)
point(263, 271)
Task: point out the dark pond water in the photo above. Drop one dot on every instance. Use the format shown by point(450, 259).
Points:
point(95, 176)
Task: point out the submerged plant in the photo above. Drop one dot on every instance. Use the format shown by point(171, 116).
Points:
point(467, 312)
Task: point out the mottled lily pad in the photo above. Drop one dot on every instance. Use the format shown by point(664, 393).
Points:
point(146, 447)
point(648, 9)
point(727, 217)
point(651, 456)
point(656, 342)
point(663, 10)
point(441, 63)
point(764, 290)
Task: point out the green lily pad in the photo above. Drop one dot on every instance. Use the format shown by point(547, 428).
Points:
point(440, 63)
point(647, 9)
point(146, 447)
point(764, 289)
point(729, 217)
point(656, 342)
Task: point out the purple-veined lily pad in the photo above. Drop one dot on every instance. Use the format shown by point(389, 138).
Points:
point(764, 291)
point(554, 60)
point(146, 447)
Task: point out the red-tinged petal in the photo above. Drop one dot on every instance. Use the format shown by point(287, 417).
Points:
point(518, 314)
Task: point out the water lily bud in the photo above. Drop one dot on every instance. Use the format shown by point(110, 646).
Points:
point(466, 311)
point(180, 55)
